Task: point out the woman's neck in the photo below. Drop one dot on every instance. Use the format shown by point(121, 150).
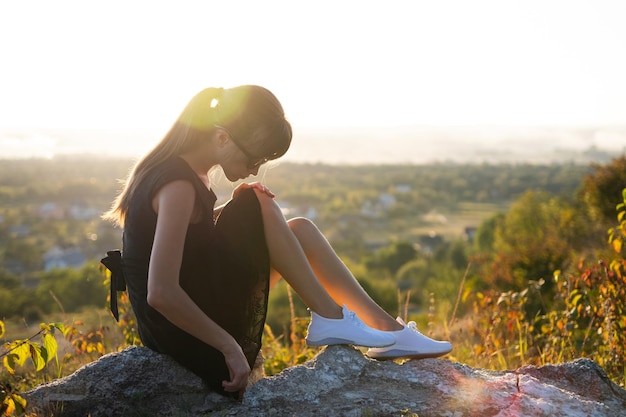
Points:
point(198, 164)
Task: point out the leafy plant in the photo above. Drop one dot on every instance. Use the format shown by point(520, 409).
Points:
point(279, 353)
point(17, 352)
point(11, 403)
point(587, 317)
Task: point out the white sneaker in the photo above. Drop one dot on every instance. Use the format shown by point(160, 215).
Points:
point(349, 330)
point(410, 344)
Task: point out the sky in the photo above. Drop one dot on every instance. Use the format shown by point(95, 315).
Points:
point(133, 65)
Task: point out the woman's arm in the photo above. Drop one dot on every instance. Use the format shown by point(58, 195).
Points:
point(174, 204)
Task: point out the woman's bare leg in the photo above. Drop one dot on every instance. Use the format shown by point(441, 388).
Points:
point(288, 258)
point(303, 256)
point(336, 278)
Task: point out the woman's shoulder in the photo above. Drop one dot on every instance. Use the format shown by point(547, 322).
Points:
point(172, 169)
point(176, 166)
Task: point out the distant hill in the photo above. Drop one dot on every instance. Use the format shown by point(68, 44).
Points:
point(384, 145)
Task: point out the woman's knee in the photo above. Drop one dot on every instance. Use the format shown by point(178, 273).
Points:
point(243, 208)
point(268, 205)
point(302, 225)
point(249, 199)
point(245, 196)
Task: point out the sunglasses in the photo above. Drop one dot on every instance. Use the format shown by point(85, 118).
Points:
point(253, 161)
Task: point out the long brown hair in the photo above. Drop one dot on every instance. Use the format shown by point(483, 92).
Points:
point(252, 113)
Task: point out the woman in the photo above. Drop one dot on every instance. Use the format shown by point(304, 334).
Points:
point(198, 277)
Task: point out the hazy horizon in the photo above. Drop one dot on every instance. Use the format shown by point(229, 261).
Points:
point(372, 145)
point(349, 63)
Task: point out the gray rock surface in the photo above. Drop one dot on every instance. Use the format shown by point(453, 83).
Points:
point(134, 382)
point(340, 381)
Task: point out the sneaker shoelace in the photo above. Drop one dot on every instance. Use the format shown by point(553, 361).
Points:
point(413, 326)
point(355, 319)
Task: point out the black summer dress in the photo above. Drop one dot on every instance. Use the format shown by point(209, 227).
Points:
point(225, 270)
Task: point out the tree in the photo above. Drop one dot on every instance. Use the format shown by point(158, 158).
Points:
point(72, 288)
point(391, 258)
point(13, 297)
point(534, 239)
point(601, 189)
point(485, 234)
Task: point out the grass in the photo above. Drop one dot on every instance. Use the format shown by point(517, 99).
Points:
point(451, 224)
point(497, 333)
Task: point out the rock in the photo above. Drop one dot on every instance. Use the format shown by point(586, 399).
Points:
point(131, 382)
point(340, 381)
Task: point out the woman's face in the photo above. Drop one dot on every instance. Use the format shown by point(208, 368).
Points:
point(239, 163)
point(236, 165)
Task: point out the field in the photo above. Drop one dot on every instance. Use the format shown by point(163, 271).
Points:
point(542, 287)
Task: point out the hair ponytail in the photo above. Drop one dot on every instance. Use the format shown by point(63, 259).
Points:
point(196, 119)
point(200, 112)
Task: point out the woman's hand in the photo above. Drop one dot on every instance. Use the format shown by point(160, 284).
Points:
point(256, 185)
point(239, 370)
